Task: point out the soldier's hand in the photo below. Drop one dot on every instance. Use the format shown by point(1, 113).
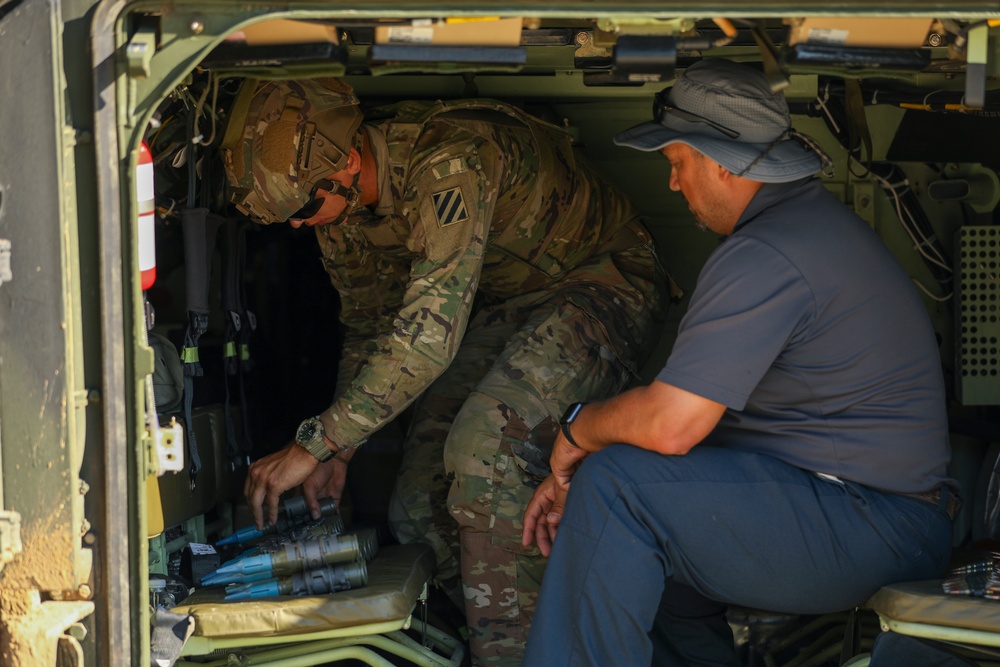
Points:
point(271, 476)
point(326, 481)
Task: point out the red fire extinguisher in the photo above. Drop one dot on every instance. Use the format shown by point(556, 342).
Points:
point(146, 197)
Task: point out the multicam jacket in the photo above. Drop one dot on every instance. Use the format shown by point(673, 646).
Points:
point(483, 202)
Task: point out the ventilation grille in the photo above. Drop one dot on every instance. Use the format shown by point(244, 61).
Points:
point(977, 307)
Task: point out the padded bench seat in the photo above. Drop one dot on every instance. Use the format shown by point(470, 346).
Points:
point(293, 631)
point(922, 609)
point(396, 578)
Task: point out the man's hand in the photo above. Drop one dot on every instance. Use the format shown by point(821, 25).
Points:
point(326, 481)
point(542, 516)
point(565, 459)
point(271, 476)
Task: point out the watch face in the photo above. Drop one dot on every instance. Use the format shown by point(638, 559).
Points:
point(571, 413)
point(309, 431)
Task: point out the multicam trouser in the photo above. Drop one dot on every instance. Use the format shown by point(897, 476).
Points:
point(481, 436)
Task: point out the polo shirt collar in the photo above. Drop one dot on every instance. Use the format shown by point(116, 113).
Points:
point(769, 195)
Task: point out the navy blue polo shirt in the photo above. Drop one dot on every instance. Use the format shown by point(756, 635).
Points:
point(808, 330)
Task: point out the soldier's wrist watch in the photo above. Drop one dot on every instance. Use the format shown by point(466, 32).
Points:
point(567, 420)
point(310, 436)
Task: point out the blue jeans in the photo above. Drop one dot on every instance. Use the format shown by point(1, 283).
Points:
point(653, 548)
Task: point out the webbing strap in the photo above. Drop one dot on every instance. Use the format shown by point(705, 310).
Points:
point(232, 445)
point(852, 637)
point(238, 114)
point(768, 56)
point(200, 230)
point(231, 307)
point(197, 325)
point(857, 123)
point(240, 324)
point(194, 459)
point(247, 439)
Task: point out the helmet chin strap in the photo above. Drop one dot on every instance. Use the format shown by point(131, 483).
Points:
point(352, 194)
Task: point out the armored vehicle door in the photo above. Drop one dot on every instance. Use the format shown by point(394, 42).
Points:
point(47, 581)
point(94, 497)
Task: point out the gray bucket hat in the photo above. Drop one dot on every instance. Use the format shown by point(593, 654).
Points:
point(728, 112)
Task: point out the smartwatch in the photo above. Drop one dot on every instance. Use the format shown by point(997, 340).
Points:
point(567, 419)
point(310, 436)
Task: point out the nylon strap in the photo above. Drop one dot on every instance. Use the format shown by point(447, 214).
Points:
point(231, 309)
point(200, 231)
point(194, 465)
point(852, 637)
point(768, 55)
point(857, 123)
point(238, 114)
point(240, 324)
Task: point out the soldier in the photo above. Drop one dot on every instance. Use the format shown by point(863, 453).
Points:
point(485, 272)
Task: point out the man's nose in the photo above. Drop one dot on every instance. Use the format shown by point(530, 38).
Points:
point(674, 183)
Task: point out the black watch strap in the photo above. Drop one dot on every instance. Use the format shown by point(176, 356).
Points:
point(567, 420)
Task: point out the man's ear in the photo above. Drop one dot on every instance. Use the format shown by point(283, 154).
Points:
point(724, 174)
point(353, 162)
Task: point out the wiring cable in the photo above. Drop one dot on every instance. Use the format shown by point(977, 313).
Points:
point(830, 105)
point(915, 224)
point(213, 85)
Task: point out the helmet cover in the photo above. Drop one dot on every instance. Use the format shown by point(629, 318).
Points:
point(295, 133)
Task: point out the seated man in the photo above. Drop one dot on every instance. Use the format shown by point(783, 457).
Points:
point(486, 272)
point(790, 456)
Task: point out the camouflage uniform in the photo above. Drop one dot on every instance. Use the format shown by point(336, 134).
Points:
point(479, 285)
point(497, 280)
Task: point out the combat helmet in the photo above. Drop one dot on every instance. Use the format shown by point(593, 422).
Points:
point(284, 137)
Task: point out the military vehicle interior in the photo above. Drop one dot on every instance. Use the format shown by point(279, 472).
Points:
point(244, 322)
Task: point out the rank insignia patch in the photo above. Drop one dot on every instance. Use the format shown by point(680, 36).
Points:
point(450, 206)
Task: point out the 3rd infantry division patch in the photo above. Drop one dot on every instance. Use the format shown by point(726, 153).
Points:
point(449, 206)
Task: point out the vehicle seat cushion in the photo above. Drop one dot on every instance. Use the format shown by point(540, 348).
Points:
point(925, 602)
point(396, 578)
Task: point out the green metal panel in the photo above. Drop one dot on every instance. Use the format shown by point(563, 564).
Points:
point(977, 360)
point(42, 386)
point(40, 381)
point(124, 559)
point(107, 634)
